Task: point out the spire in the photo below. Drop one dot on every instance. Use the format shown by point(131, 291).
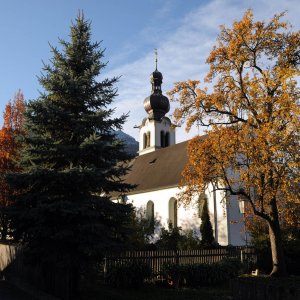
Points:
point(156, 77)
point(156, 105)
point(155, 52)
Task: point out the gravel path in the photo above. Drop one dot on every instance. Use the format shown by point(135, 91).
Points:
point(10, 292)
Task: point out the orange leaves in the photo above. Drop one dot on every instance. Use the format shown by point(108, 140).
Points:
point(253, 117)
point(189, 99)
point(209, 158)
point(252, 114)
point(13, 126)
point(13, 115)
point(9, 144)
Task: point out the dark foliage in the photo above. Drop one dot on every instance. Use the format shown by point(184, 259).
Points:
point(132, 274)
point(291, 247)
point(175, 239)
point(194, 275)
point(265, 287)
point(207, 236)
point(142, 231)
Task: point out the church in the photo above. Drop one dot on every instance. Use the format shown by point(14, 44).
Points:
point(156, 172)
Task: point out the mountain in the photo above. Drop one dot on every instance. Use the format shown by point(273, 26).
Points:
point(132, 146)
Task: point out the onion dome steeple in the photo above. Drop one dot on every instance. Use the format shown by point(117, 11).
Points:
point(156, 105)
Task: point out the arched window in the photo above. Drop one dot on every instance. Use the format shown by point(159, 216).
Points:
point(148, 139)
point(167, 139)
point(162, 139)
point(150, 213)
point(172, 213)
point(144, 140)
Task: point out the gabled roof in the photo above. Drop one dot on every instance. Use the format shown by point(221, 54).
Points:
point(158, 169)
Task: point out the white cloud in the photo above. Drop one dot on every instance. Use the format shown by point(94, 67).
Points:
point(182, 54)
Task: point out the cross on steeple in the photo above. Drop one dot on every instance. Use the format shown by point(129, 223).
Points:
point(155, 52)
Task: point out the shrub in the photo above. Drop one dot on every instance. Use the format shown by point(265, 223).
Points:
point(207, 236)
point(132, 274)
point(194, 275)
point(172, 273)
point(177, 239)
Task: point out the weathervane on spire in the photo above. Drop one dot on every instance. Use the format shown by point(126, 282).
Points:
point(155, 52)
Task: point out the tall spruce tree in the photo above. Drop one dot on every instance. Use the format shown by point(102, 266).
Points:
point(207, 236)
point(72, 160)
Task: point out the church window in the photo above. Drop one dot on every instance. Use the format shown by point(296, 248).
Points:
point(144, 140)
point(162, 139)
point(150, 213)
point(172, 213)
point(148, 139)
point(167, 139)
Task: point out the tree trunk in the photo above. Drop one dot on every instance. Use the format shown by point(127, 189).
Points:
point(279, 267)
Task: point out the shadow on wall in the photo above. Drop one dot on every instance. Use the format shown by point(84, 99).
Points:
point(223, 238)
point(191, 225)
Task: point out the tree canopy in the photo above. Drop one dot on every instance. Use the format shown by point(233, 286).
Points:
point(252, 118)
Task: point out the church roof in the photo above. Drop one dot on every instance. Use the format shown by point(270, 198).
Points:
point(158, 169)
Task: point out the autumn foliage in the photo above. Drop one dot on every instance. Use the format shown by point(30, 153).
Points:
point(10, 146)
point(252, 115)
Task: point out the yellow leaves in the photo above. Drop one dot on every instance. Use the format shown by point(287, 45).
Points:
point(244, 79)
point(189, 97)
point(252, 113)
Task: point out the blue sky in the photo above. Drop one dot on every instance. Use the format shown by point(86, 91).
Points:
point(183, 31)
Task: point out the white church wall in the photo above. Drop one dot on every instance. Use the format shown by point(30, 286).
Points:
point(236, 223)
point(187, 217)
point(160, 198)
point(218, 215)
point(235, 219)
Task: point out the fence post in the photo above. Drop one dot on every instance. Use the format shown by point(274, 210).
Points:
point(242, 256)
point(105, 268)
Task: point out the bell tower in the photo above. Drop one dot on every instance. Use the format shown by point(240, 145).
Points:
point(156, 130)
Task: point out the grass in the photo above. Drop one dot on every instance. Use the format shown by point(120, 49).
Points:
point(152, 292)
point(10, 291)
point(266, 279)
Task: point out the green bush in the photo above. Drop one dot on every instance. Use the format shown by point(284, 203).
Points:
point(172, 273)
point(177, 239)
point(193, 275)
point(196, 275)
point(207, 235)
point(132, 274)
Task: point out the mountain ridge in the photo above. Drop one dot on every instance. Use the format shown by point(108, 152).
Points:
point(132, 146)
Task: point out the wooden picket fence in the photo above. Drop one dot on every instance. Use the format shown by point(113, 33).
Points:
point(158, 257)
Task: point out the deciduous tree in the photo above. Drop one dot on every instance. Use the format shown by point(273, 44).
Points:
point(10, 147)
point(252, 114)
